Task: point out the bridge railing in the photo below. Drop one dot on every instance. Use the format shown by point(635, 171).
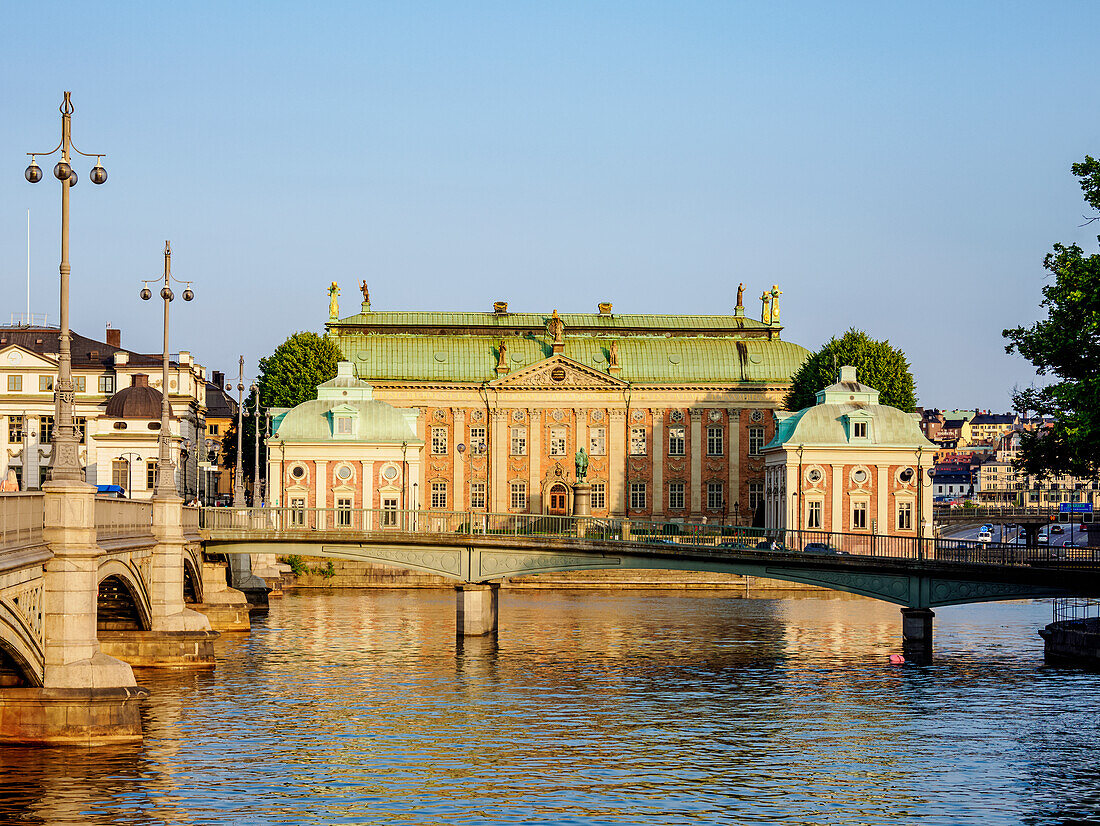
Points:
point(22, 518)
point(117, 518)
point(304, 521)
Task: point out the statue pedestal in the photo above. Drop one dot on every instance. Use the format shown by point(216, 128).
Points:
point(582, 504)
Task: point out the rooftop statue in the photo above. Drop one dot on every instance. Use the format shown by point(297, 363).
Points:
point(766, 308)
point(741, 294)
point(333, 305)
point(776, 292)
point(366, 292)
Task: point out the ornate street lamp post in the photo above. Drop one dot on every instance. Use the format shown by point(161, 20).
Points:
point(166, 485)
point(65, 457)
point(238, 477)
point(256, 448)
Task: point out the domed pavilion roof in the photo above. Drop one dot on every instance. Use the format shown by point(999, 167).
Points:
point(138, 401)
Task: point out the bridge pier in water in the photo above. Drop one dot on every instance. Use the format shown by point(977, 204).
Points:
point(476, 609)
point(916, 634)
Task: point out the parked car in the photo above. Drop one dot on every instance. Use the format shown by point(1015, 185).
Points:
point(821, 548)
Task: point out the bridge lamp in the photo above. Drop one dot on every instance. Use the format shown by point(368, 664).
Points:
point(65, 457)
point(166, 487)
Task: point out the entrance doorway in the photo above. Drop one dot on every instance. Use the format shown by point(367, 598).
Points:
point(558, 500)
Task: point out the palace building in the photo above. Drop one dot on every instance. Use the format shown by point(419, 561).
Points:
point(673, 411)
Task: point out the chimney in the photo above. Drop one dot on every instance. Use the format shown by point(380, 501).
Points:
point(140, 380)
point(500, 307)
point(114, 336)
point(605, 308)
point(219, 378)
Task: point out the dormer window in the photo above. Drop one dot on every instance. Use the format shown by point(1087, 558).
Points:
point(859, 430)
point(343, 421)
point(343, 426)
point(858, 424)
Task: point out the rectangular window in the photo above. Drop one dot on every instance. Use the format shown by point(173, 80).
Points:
point(15, 384)
point(439, 440)
point(715, 441)
point(120, 474)
point(597, 441)
point(637, 496)
point(107, 384)
point(715, 499)
point(637, 441)
point(859, 430)
point(389, 512)
point(756, 440)
point(151, 474)
point(756, 496)
point(675, 496)
point(297, 512)
point(676, 441)
point(15, 429)
point(905, 516)
point(859, 516)
point(519, 441)
point(43, 472)
point(557, 441)
point(45, 384)
point(343, 425)
point(439, 496)
point(478, 442)
point(599, 496)
point(518, 492)
point(343, 511)
point(80, 424)
point(45, 430)
point(477, 495)
point(813, 515)
point(213, 429)
point(80, 384)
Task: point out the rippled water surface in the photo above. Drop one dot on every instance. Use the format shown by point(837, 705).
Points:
point(594, 707)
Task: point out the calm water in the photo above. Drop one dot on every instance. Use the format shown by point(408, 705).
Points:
point(595, 707)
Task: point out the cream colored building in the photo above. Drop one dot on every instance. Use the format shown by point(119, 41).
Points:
point(848, 465)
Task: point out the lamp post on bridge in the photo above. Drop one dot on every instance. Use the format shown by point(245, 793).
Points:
point(166, 485)
point(65, 456)
point(238, 476)
point(125, 457)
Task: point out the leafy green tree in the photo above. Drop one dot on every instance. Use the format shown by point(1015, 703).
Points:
point(1066, 345)
point(288, 377)
point(877, 364)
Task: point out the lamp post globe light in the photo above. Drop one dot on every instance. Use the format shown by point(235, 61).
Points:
point(65, 456)
point(166, 486)
point(238, 476)
point(256, 447)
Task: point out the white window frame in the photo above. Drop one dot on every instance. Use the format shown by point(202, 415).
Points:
point(389, 512)
point(677, 440)
point(519, 440)
point(637, 496)
point(905, 515)
point(638, 441)
point(676, 497)
point(439, 441)
point(343, 426)
point(597, 441)
point(517, 496)
point(815, 514)
point(716, 442)
point(757, 440)
point(599, 495)
point(557, 441)
point(860, 513)
point(478, 440)
point(107, 384)
point(477, 495)
point(343, 511)
point(439, 496)
point(716, 492)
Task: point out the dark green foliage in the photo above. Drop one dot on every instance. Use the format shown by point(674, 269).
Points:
point(1066, 344)
point(877, 364)
point(288, 377)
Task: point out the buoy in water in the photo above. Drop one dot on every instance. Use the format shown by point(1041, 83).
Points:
point(897, 659)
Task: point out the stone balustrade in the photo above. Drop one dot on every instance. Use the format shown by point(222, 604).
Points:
point(22, 517)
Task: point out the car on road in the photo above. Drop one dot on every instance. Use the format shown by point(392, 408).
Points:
point(1044, 537)
point(985, 535)
point(822, 548)
point(1057, 529)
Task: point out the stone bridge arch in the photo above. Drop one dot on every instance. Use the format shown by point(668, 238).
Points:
point(22, 660)
point(120, 584)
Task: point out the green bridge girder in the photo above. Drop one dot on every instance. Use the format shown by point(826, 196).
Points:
point(905, 582)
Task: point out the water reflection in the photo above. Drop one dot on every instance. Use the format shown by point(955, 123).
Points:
point(594, 707)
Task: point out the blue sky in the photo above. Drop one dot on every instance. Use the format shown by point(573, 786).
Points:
point(901, 168)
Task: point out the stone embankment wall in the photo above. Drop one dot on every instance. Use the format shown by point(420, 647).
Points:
point(1073, 641)
point(347, 574)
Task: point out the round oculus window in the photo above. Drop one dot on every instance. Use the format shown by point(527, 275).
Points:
point(297, 472)
point(814, 476)
point(859, 476)
point(344, 473)
point(389, 473)
point(557, 374)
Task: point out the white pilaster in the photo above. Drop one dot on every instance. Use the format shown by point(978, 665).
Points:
point(321, 483)
point(659, 499)
point(458, 495)
point(696, 461)
point(534, 448)
point(616, 461)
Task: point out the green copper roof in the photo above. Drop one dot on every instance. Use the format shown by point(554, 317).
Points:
point(589, 322)
point(375, 422)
